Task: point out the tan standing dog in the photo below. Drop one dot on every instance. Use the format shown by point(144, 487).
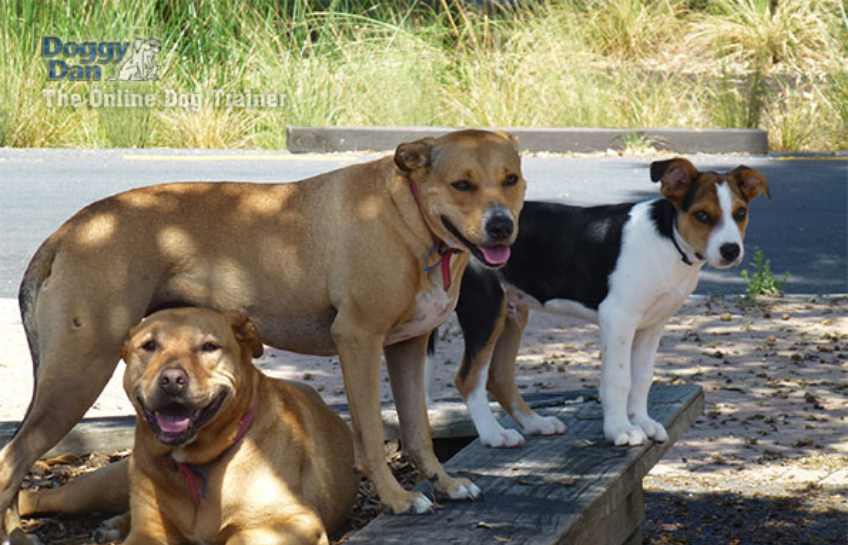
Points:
point(355, 262)
point(223, 454)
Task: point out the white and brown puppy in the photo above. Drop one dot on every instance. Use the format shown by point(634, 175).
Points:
point(628, 267)
point(357, 262)
point(223, 453)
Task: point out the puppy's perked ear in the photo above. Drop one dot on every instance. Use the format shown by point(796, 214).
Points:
point(750, 182)
point(676, 176)
point(414, 155)
point(245, 333)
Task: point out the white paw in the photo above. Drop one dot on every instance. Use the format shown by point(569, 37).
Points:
point(624, 433)
point(652, 428)
point(465, 491)
point(420, 504)
point(542, 425)
point(503, 438)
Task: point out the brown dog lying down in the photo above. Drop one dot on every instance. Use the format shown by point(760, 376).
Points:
point(223, 454)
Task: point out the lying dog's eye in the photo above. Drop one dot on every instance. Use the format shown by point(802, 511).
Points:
point(510, 180)
point(463, 185)
point(740, 214)
point(149, 346)
point(703, 217)
point(210, 347)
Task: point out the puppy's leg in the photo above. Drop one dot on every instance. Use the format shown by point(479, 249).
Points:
point(617, 332)
point(502, 378)
point(406, 362)
point(359, 352)
point(481, 310)
point(106, 490)
point(113, 529)
point(644, 353)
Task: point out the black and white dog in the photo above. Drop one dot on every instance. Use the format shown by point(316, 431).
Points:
point(628, 267)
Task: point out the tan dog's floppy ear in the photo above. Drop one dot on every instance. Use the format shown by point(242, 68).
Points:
point(750, 182)
point(511, 137)
point(245, 333)
point(414, 155)
point(125, 346)
point(676, 176)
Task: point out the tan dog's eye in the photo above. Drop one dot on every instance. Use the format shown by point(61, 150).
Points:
point(703, 217)
point(463, 185)
point(740, 214)
point(150, 345)
point(209, 346)
point(510, 180)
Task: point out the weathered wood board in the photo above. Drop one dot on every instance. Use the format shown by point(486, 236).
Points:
point(573, 489)
point(448, 418)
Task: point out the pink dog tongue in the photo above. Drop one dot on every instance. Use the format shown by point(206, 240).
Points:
point(172, 424)
point(496, 255)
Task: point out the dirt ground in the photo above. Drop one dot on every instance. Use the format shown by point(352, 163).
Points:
point(768, 461)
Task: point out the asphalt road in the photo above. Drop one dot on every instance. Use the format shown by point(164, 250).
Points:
point(803, 230)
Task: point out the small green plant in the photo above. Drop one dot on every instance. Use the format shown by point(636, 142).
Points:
point(762, 281)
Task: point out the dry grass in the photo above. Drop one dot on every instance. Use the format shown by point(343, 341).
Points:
point(621, 63)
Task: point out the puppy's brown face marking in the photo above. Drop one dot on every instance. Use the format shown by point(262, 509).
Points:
point(471, 189)
point(712, 208)
point(202, 348)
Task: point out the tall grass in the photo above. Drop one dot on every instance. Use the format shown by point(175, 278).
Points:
point(611, 63)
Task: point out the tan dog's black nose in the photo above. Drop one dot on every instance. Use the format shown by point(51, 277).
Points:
point(173, 381)
point(499, 227)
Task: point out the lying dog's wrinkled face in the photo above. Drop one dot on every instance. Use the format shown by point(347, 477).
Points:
point(712, 208)
point(184, 366)
point(470, 188)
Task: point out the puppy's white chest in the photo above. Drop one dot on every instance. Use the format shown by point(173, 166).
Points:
point(432, 308)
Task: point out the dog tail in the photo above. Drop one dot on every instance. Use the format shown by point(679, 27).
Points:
point(37, 272)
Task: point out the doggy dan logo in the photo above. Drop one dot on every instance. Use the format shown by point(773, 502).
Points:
point(85, 61)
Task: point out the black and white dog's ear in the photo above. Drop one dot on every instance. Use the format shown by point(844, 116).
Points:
point(676, 176)
point(749, 181)
point(412, 156)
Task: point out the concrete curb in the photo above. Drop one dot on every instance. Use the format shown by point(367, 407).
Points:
point(579, 140)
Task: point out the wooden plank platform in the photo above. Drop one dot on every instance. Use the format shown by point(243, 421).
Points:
point(448, 419)
point(574, 489)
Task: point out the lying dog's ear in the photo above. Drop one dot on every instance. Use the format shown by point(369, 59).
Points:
point(749, 181)
point(676, 175)
point(245, 333)
point(511, 137)
point(414, 155)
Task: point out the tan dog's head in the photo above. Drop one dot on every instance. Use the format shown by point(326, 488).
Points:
point(184, 366)
point(712, 208)
point(470, 188)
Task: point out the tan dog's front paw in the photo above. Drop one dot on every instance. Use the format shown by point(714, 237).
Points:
point(412, 503)
point(652, 428)
point(502, 438)
point(458, 489)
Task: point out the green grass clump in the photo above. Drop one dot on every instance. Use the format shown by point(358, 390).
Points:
point(618, 63)
point(761, 280)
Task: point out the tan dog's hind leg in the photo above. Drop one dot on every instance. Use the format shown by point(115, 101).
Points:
point(406, 362)
point(106, 490)
point(359, 352)
point(78, 348)
point(502, 379)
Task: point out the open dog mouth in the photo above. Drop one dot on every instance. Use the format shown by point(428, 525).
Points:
point(175, 423)
point(494, 256)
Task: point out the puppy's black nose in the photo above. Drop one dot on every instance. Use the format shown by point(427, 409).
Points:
point(173, 381)
point(729, 251)
point(499, 227)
